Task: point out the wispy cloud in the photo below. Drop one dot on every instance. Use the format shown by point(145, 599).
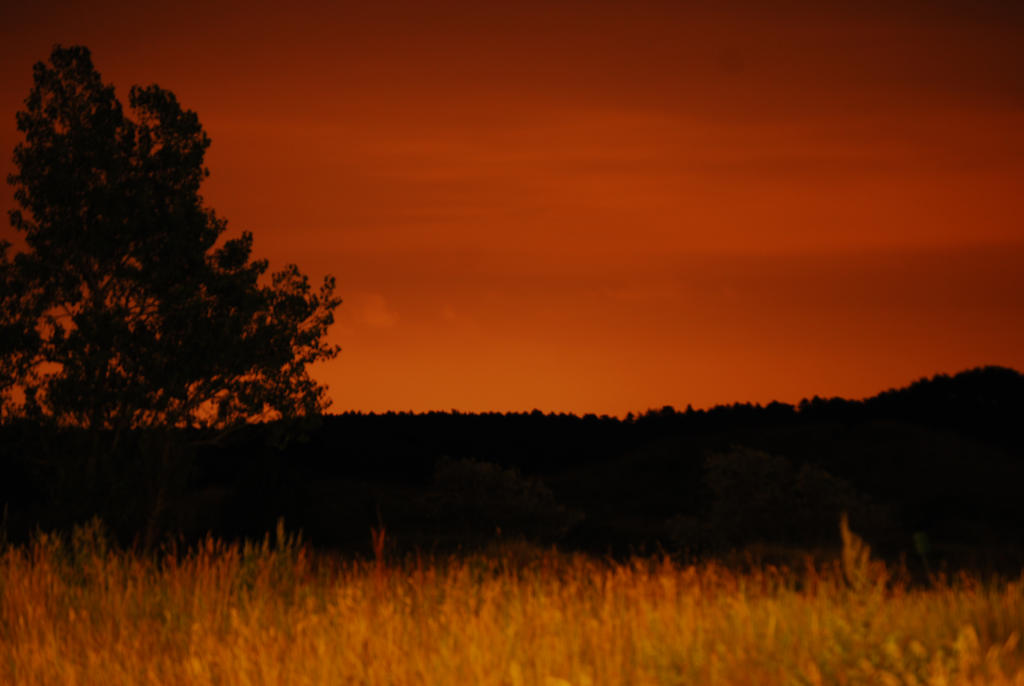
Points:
point(376, 312)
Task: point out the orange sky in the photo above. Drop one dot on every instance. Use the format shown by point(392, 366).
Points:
point(603, 207)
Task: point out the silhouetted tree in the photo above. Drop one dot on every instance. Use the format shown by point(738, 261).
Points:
point(126, 311)
point(127, 314)
point(16, 333)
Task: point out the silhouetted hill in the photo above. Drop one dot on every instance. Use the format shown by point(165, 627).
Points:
point(942, 458)
point(987, 402)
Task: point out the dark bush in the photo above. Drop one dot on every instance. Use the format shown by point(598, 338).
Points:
point(483, 499)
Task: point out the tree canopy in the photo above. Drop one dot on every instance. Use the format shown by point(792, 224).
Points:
point(129, 308)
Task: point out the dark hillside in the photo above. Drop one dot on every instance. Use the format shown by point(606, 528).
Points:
point(942, 460)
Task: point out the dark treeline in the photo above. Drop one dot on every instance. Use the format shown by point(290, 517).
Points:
point(933, 471)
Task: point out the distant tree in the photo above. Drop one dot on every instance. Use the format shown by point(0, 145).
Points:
point(127, 310)
point(485, 498)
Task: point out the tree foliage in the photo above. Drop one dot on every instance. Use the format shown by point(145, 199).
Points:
point(129, 309)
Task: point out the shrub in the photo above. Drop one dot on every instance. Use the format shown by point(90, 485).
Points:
point(756, 496)
point(481, 499)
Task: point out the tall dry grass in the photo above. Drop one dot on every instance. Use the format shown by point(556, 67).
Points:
point(74, 612)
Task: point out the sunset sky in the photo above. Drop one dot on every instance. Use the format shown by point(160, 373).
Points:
point(604, 207)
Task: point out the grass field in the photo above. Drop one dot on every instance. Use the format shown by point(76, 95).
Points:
point(74, 612)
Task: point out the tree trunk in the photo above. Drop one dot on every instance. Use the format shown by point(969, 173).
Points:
point(162, 474)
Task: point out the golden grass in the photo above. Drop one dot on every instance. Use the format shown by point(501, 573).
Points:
point(78, 614)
